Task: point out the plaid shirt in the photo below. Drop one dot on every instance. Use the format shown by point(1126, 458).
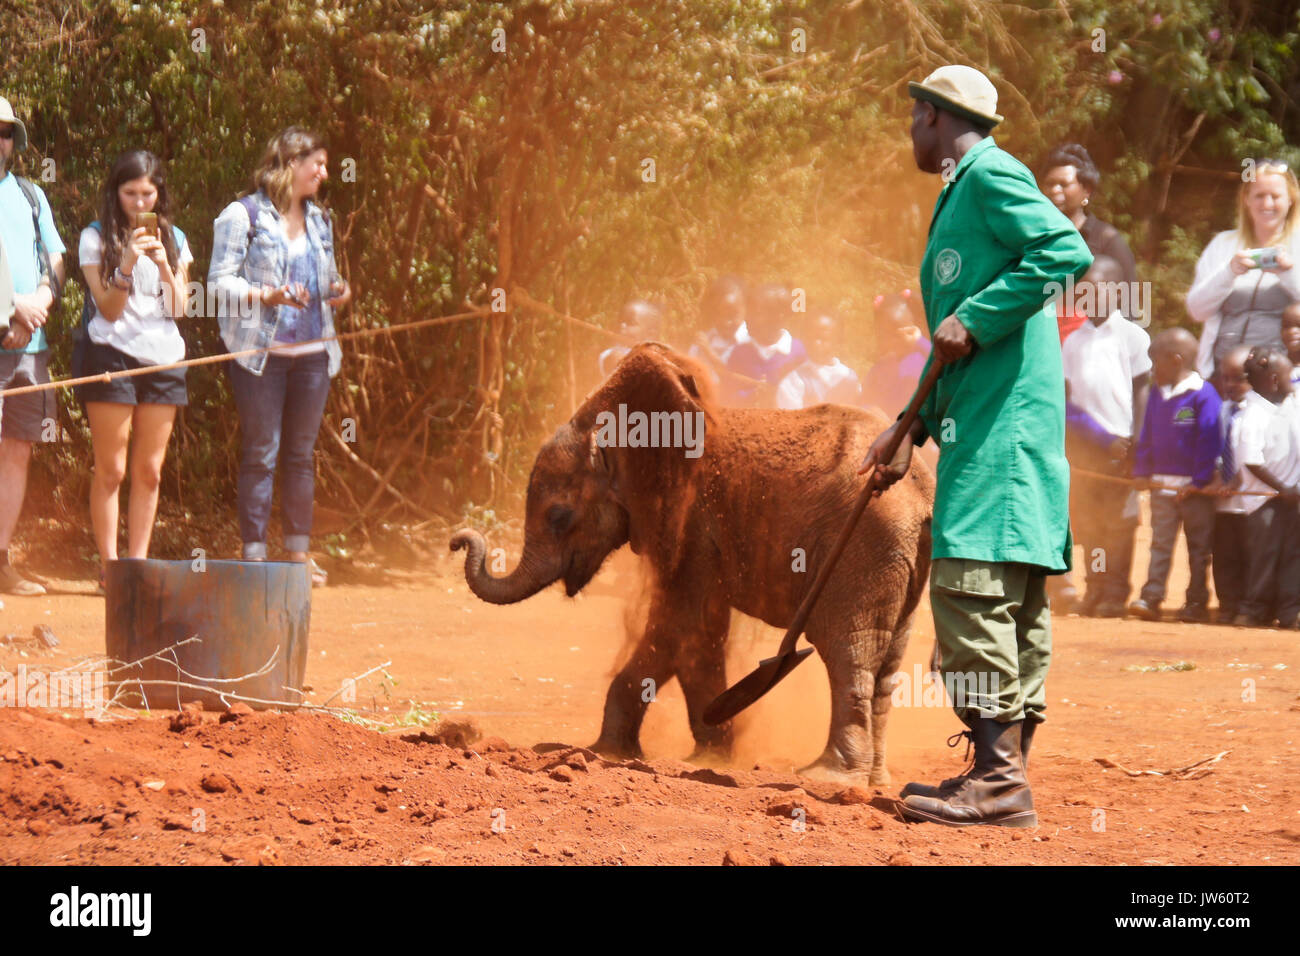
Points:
point(238, 266)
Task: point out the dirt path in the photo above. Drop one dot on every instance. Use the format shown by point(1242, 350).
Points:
point(312, 789)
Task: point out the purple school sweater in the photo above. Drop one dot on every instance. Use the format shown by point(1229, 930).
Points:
point(746, 360)
point(1180, 435)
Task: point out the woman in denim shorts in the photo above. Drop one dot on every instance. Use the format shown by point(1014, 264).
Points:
point(136, 274)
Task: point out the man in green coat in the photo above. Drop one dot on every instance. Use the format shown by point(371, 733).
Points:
point(997, 251)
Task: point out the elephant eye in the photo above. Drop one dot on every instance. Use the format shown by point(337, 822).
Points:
point(560, 518)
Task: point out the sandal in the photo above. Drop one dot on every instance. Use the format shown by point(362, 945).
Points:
point(318, 576)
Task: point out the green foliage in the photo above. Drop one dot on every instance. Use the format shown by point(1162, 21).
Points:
point(777, 154)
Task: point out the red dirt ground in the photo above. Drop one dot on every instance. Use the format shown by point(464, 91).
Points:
point(309, 788)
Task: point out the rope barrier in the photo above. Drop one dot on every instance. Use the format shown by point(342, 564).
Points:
point(243, 353)
point(1188, 489)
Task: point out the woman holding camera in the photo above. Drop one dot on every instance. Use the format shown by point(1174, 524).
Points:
point(278, 288)
point(1245, 276)
point(135, 263)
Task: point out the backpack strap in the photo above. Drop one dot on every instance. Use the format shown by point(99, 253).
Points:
point(250, 206)
point(88, 301)
point(29, 191)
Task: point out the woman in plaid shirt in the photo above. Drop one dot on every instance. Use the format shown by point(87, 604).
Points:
point(278, 288)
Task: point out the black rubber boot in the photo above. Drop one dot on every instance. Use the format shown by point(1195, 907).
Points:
point(994, 793)
point(947, 786)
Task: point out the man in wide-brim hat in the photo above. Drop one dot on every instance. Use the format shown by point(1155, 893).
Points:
point(1001, 523)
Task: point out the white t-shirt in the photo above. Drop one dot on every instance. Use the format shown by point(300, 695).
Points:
point(1247, 437)
point(144, 331)
point(1100, 364)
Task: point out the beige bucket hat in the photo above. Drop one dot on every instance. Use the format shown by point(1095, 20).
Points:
point(20, 129)
point(961, 90)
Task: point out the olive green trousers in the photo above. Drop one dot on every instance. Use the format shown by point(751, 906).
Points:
point(994, 631)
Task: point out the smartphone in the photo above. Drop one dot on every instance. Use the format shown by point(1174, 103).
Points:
point(149, 220)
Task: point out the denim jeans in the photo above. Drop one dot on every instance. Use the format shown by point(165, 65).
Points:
point(279, 411)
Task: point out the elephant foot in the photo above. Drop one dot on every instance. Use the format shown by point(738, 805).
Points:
point(617, 750)
point(834, 770)
point(711, 755)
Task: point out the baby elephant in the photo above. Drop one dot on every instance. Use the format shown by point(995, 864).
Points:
point(729, 508)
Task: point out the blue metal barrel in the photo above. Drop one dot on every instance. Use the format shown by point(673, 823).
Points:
point(244, 614)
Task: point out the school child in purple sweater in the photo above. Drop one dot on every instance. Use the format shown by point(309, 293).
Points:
point(771, 352)
point(1178, 452)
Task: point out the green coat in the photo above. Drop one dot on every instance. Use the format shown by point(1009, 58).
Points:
point(998, 415)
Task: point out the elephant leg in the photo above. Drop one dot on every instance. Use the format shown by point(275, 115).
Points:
point(702, 672)
point(849, 756)
point(629, 694)
point(882, 701)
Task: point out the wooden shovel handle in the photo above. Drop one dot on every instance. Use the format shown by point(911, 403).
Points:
point(864, 498)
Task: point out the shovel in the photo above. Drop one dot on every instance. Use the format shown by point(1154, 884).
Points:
point(773, 670)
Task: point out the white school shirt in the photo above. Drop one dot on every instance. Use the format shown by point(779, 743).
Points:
point(1288, 461)
point(1100, 364)
point(144, 330)
point(783, 344)
point(810, 384)
point(1247, 438)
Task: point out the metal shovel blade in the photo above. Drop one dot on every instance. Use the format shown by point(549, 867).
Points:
point(750, 688)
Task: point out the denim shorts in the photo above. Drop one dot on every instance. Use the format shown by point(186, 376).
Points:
point(157, 388)
point(23, 417)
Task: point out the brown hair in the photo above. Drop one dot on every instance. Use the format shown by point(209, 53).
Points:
point(115, 225)
point(273, 175)
point(1245, 226)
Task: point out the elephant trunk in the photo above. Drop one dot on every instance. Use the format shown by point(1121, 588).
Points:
point(536, 569)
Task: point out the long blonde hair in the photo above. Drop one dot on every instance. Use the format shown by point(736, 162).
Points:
point(274, 175)
point(1245, 225)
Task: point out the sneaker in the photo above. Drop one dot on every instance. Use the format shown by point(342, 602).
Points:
point(11, 582)
point(1225, 615)
point(1193, 614)
point(1144, 611)
point(1249, 620)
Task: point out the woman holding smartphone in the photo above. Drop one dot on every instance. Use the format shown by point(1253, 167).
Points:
point(135, 263)
point(278, 287)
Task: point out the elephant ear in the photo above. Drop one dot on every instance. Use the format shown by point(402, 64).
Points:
point(657, 486)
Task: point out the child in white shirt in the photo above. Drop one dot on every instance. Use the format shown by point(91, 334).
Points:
point(823, 377)
point(1273, 528)
point(1107, 376)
